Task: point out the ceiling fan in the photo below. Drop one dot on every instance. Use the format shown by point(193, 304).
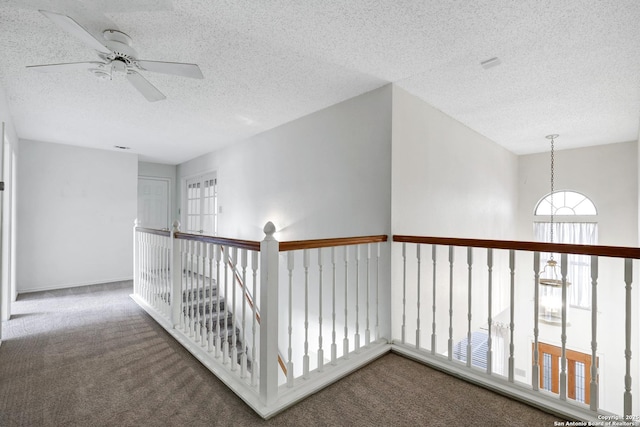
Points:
point(118, 57)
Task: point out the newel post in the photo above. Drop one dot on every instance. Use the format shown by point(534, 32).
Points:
point(269, 250)
point(136, 259)
point(176, 276)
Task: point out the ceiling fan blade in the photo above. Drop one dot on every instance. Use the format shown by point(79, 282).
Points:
point(54, 68)
point(173, 68)
point(76, 30)
point(148, 90)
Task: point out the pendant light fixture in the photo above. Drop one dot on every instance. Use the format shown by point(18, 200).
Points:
point(551, 297)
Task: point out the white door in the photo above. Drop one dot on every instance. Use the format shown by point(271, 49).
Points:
point(201, 205)
point(153, 203)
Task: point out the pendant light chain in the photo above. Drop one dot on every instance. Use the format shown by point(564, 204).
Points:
point(552, 179)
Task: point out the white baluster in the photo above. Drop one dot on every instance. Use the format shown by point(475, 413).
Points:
point(202, 256)
point(367, 332)
point(184, 285)
point(305, 358)
point(254, 358)
point(225, 333)
point(234, 332)
point(377, 335)
point(334, 347)
point(489, 308)
point(136, 258)
point(191, 291)
point(198, 288)
point(512, 270)
point(218, 339)
point(433, 306)
point(243, 360)
point(593, 387)
point(418, 298)
point(563, 336)
point(404, 292)
point(627, 337)
point(469, 267)
point(177, 305)
point(290, 267)
point(210, 257)
point(356, 342)
point(450, 342)
point(345, 341)
point(320, 350)
point(535, 370)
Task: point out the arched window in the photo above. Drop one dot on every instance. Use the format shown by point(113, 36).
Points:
point(566, 203)
point(570, 226)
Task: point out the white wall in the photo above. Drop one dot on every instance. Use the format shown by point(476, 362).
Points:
point(76, 208)
point(607, 174)
point(448, 180)
point(324, 175)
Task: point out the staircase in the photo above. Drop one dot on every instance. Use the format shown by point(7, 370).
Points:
point(205, 314)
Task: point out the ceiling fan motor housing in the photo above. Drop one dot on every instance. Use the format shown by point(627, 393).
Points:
point(120, 46)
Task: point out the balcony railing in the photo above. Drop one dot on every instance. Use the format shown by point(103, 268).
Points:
point(476, 309)
point(277, 321)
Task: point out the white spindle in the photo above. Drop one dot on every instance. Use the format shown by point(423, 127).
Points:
point(404, 292)
point(418, 298)
point(433, 306)
point(627, 337)
point(184, 285)
point(334, 346)
point(512, 270)
point(218, 340)
point(191, 291)
point(345, 341)
point(450, 342)
point(290, 266)
point(305, 358)
point(202, 312)
point(254, 328)
point(469, 302)
point(234, 332)
point(320, 350)
point(199, 285)
point(225, 334)
point(210, 336)
point(489, 308)
point(563, 336)
point(177, 305)
point(367, 332)
point(356, 250)
point(535, 370)
point(593, 398)
point(136, 257)
point(243, 361)
point(377, 335)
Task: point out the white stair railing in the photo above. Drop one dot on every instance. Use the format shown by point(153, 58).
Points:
point(196, 287)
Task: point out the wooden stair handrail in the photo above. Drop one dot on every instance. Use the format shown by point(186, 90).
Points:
point(598, 250)
point(236, 243)
point(325, 243)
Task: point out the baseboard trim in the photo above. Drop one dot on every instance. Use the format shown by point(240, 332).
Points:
point(73, 285)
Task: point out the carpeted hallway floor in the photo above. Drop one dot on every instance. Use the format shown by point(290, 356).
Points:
point(89, 356)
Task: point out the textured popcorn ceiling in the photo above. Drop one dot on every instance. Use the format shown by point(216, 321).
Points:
point(568, 67)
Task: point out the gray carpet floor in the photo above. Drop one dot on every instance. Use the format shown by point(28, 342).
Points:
point(89, 356)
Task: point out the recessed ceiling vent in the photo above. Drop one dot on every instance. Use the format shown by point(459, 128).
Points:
point(490, 63)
